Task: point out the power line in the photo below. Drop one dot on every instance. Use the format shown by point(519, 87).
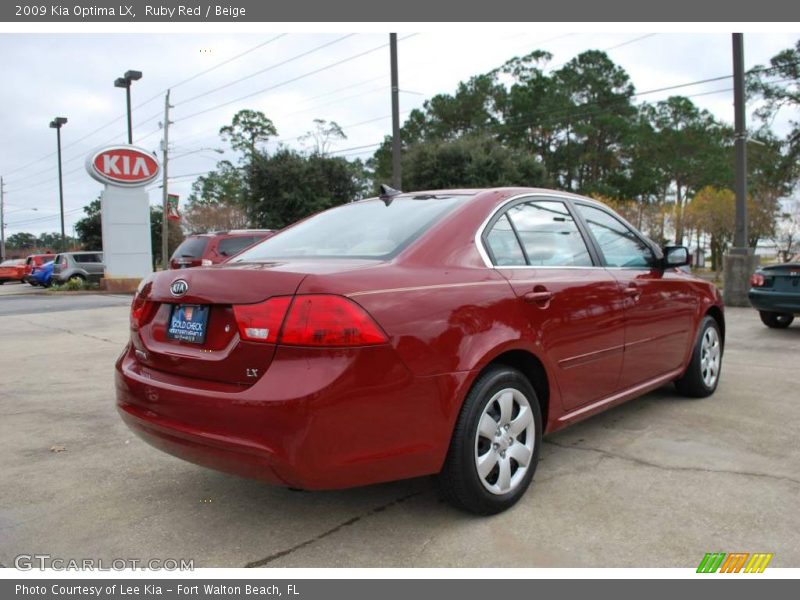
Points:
point(224, 62)
point(264, 70)
point(158, 95)
point(46, 218)
point(288, 81)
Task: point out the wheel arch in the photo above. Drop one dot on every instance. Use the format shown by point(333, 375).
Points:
point(534, 371)
point(715, 312)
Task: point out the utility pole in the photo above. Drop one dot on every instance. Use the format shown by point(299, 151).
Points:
point(2, 220)
point(740, 126)
point(741, 260)
point(397, 178)
point(165, 189)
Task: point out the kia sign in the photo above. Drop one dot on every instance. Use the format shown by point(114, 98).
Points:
point(124, 171)
point(126, 166)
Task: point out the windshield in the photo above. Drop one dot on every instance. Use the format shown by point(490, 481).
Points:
point(365, 229)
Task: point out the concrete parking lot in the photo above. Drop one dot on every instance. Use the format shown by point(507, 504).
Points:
point(657, 482)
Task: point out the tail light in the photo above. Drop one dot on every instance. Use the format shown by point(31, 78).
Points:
point(141, 312)
point(261, 322)
point(325, 320)
point(313, 320)
point(756, 280)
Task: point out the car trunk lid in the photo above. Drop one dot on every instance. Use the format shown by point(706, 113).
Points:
point(222, 355)
point(784, 277)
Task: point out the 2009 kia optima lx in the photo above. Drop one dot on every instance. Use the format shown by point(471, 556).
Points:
point(437, 332)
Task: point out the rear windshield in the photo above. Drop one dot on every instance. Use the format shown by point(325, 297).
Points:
point(366, 229)
point(234, 245)
point(192, 247)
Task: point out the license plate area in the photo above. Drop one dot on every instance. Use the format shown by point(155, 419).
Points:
point(188, 323)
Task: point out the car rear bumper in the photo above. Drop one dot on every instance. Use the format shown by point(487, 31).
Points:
point(771, 301)
point(317, 419)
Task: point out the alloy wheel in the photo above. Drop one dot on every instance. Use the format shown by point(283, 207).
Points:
point(504, 441)
point(710, 355)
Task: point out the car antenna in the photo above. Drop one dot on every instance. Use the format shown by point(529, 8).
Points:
point(388, 194)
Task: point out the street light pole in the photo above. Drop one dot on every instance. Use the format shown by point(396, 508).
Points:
point(130, 122)
point(56, 124)
point(165, 189)
point(2, 221)
point(125, 82)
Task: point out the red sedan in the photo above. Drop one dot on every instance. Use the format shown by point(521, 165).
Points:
point(12, 269)
point(437, 332)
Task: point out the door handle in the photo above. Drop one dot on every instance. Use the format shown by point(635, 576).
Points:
point(538, 296)
point(633, 291)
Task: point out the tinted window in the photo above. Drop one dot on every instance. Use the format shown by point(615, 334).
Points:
point(549, 234)
point(234, 245)
point(87, 258)
point(366, 229)
point(620, 246)
point(191, 247)
point(503, 244)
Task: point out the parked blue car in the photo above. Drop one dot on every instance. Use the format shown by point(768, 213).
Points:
point(42, 275)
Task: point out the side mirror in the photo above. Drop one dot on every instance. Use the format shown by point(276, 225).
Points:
point(676, 256)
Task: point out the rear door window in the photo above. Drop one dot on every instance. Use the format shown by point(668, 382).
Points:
point(549, 234)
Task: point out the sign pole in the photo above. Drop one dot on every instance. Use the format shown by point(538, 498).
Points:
point(165, 190)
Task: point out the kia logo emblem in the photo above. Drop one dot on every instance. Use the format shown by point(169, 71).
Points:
point(179, 287)
point(124, 165)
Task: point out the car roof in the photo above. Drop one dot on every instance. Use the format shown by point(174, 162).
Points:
point(505, 192)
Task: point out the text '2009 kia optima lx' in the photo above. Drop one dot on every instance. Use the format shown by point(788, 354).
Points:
point(437, 332)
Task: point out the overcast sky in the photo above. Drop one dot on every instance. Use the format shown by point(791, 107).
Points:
point(72, 75)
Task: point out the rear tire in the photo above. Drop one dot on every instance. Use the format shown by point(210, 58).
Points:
point(775, 320)
point(495, 445)
point(702, 374)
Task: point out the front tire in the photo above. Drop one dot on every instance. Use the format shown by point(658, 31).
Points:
point(775, 320)
point(702, 374)
point(495, 445)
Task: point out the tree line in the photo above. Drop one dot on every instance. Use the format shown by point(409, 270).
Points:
point(581, 127)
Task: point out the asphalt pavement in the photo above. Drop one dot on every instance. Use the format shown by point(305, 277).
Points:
point(657, 482)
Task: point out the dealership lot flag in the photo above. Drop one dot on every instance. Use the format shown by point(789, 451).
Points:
point(172, 207)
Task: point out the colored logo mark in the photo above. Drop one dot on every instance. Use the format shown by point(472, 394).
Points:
point(735, 562)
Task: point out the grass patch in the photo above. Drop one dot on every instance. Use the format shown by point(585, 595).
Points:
point(74, 285)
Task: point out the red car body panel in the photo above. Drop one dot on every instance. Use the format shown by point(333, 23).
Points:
point(324, 418)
